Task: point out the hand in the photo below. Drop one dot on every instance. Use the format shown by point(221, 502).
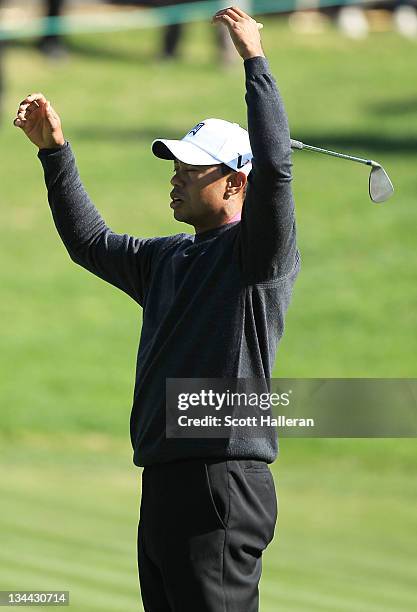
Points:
point(39, 121)
point(244, 31)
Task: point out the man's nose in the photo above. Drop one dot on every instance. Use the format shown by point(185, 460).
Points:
point(175, 180)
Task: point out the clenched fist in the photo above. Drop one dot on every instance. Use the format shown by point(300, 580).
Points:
point(244, 31)
point(39, 121)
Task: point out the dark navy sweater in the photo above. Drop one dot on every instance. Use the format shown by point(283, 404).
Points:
point(213, 303)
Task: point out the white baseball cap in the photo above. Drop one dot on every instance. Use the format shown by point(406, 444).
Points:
point(212, 141)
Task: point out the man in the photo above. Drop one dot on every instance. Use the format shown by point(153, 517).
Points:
point(213, 306)
point(52, 45)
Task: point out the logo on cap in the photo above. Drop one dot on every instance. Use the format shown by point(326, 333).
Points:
point(239, 162)
point(195, 129)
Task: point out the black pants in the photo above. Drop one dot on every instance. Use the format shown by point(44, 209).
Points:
point(202, 530)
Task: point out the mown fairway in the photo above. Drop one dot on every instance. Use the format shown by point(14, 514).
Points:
point(69, 494)
point(345, 539)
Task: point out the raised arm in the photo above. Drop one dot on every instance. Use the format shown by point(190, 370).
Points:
point(122, 260)
point(268, 244)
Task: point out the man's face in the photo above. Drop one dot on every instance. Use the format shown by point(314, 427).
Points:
point(198, 194)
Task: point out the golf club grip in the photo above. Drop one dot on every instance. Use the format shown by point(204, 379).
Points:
point(296, 144)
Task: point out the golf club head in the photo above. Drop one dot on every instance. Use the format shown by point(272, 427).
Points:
point(380, 186)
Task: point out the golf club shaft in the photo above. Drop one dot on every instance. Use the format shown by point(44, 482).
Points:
point(296, 144)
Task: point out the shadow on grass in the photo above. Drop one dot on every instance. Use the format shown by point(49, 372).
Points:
point(126, 134)
point(152, 57)
point(111, 53)
point(394, 107)
point(78, 48)
point(354, 143)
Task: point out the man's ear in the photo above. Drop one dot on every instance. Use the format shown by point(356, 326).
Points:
point(235, 184)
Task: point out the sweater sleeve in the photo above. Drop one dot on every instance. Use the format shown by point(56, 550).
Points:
point(267, 237)
point(121, 260)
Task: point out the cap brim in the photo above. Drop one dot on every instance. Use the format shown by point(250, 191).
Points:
point(186, 152)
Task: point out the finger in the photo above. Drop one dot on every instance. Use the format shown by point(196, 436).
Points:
point(226, 20)
point(28, 109)
point(50, 113)
point(19, 122)
point(23, 108)
point(235, 11)
point(230, 13)
point(21, 115)
point(39, 97)
point(239, 11)
point(258, 25)
point(33, 106)
point(50, 110)
point(217, 15)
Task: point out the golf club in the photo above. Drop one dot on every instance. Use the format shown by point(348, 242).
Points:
point(380, 186)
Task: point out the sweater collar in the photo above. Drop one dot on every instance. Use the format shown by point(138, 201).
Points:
point(213, 233)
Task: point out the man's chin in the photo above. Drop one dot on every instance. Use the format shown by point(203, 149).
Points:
point(181, 216)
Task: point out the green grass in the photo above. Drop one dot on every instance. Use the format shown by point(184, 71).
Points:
point(346, 536)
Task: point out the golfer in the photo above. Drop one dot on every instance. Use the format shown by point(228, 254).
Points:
point(213, 306)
